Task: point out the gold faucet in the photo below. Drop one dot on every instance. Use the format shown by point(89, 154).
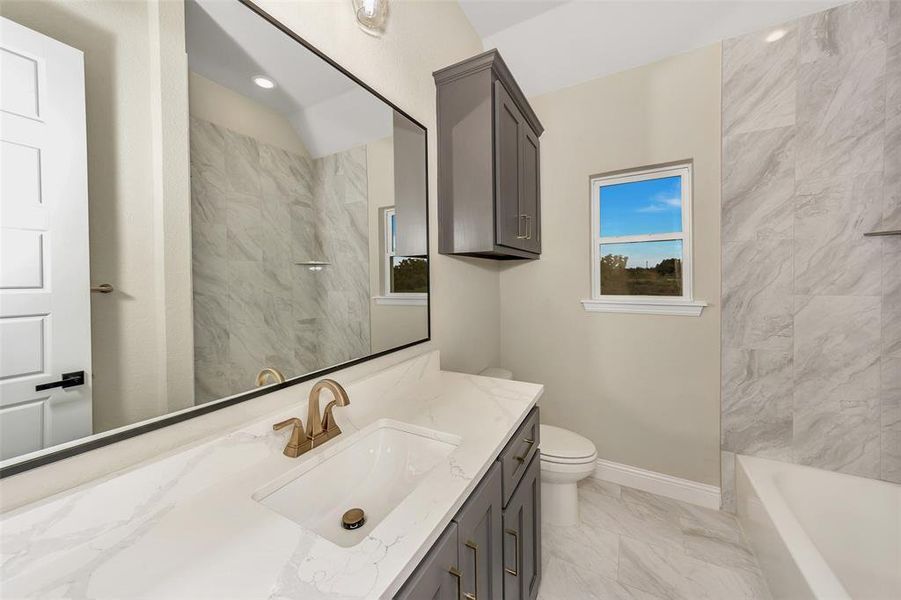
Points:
point(319, 430)
point(267, 373)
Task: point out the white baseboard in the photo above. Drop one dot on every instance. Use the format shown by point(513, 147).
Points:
point(685, 490)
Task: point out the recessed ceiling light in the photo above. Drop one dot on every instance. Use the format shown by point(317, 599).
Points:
point(775, 35)
point(264, 82)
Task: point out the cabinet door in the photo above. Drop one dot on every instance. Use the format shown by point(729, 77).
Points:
point(437, 577)
point(508, 137)
point(530, 190)
point(480, 539)
point(522, 537)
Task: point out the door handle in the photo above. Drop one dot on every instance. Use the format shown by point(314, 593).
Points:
point(475, 549)
point(103, 288)
point(459, 576)
point(519, 221)
point(68, 380)
point(522, 458)
point(528, 227)
point(515, 570)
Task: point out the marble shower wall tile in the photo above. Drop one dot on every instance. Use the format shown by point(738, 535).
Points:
point(757, 402)
point(758, 185)
point(812, 309)
point(891, 419)
point(892, 203)
point(256, 211)
point(757, 294)
point(843, 30)
point(841, 114)
point(759, 82)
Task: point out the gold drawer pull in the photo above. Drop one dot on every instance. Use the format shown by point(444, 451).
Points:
point(522, 458)
point(475, 549)
point(515, 570)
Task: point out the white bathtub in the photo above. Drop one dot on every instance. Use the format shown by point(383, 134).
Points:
point(820, 534)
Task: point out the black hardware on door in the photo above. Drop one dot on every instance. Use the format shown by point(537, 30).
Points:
point(69, 380)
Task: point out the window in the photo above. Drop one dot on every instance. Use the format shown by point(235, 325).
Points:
point(641, 242)
point(406, 278)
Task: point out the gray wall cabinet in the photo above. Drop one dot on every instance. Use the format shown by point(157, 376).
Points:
point(489, 193)
point(491, 549)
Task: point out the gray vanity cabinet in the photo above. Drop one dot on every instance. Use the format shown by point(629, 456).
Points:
point(489, 198)
point(492, 548)
point(522, 537)
point(480, 539)
point(437, 577)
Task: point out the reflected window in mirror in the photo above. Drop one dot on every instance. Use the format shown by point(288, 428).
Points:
point(405, 276)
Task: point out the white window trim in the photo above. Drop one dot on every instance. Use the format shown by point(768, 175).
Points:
point(658, 305)
point(389, 298)
point(411, 299)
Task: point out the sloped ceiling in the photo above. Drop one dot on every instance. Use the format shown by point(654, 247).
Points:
point(550, 45)
point(230, 45)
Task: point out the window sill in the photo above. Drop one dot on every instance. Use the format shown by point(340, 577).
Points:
point(403, 300)
point(685, 308)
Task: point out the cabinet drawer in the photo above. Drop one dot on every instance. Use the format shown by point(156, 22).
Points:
point(515, 457)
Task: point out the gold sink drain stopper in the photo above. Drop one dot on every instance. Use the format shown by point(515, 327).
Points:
point(353, 519)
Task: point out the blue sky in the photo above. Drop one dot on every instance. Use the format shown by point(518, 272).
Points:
point(640, 207)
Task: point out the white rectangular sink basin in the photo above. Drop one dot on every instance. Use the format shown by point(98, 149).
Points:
point(374, 470)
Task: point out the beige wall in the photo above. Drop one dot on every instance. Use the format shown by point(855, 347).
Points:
point(138, 189)
point(644, 388)
point(390, 325)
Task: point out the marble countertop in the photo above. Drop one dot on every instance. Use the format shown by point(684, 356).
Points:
point(185, 525)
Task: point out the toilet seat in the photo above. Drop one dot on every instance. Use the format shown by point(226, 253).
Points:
point(564, 447)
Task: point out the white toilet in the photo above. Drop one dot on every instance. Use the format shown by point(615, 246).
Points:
point(566, 459)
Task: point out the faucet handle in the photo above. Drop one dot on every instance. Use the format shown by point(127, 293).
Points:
point(292, 421)
point(298, 442)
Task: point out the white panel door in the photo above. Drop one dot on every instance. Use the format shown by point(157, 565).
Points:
point(45, 319)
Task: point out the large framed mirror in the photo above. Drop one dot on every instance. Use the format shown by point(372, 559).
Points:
point(197, 207)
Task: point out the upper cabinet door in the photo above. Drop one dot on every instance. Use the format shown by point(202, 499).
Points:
point(510, 221)
point(530, 187)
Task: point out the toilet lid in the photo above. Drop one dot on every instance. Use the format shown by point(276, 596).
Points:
point(558, 443)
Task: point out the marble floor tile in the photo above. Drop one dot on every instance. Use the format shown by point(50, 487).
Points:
point(622, 518)
point(718, 551)
point(596, 562)
point(672, 574)
point(593, 548)
point(562, 580)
